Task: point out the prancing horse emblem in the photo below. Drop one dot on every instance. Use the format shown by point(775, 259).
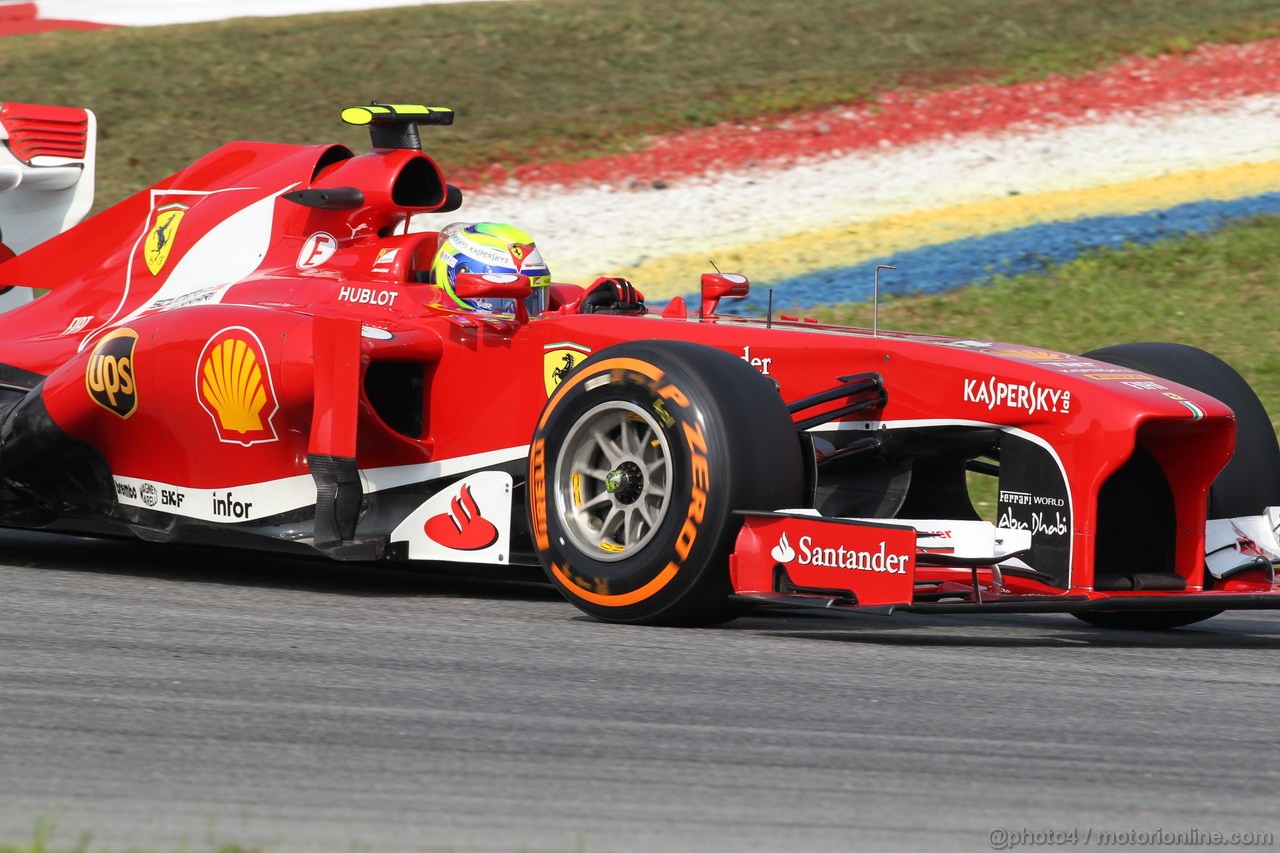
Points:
point(558, 361)
point(160, 239)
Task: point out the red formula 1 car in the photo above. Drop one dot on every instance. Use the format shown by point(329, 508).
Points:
point(254, 353)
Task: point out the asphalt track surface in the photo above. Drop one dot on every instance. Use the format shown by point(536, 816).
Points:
point(156, 697)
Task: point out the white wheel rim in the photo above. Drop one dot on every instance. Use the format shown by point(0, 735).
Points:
point(613, 481)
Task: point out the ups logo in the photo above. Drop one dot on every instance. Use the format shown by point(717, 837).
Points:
point(109, 375)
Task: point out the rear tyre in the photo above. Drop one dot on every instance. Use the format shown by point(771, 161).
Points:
point(1250, 481)
point(641, 459)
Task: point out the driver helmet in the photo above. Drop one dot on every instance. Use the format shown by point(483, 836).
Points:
point(490, 247)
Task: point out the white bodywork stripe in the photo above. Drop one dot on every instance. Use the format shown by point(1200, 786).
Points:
point(272, 497)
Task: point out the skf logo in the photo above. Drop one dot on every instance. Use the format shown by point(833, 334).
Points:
point(164, 229)
point(109, 375)
point(462, 527)
point(234, 386)
point(558, 361)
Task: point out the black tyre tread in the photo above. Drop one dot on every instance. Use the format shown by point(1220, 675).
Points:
point(753, 430)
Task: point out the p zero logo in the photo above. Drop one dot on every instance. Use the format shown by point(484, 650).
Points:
point(233, 384)
point(109, 375)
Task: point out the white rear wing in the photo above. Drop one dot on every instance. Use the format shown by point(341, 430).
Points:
point(46, 176)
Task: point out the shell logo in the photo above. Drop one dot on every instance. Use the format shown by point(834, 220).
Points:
point(233, 384)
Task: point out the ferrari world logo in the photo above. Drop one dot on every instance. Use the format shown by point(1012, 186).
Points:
point(164, 228)
point(234, 387)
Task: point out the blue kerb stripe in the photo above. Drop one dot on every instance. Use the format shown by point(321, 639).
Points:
point(977, 260)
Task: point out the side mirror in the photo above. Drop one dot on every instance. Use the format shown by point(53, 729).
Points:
point(716, 286)
point(478, 285)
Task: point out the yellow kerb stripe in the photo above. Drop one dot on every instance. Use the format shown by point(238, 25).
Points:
point(860, 241)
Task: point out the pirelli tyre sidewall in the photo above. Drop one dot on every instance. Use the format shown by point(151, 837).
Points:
point(638, 465)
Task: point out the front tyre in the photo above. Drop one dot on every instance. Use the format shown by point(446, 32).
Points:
point(639, 463)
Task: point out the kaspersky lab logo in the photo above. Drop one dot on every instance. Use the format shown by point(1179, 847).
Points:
point(839, 557)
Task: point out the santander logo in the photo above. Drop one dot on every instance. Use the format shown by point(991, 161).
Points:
point(462, 528)
point(840, 557)
point(783, 552)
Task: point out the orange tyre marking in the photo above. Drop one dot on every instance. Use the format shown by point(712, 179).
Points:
point(623, 599)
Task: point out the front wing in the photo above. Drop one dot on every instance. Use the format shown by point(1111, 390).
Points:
point(800, 559)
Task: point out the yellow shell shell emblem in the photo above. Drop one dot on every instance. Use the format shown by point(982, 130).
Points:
point(235, 387)
point(164, 229)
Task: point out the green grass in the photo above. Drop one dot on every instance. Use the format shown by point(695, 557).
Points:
point(1214, 291)
point(548, 79)
point(43, 842)
point(85, 845)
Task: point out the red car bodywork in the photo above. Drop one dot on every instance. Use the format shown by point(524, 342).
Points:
point(212, 349)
